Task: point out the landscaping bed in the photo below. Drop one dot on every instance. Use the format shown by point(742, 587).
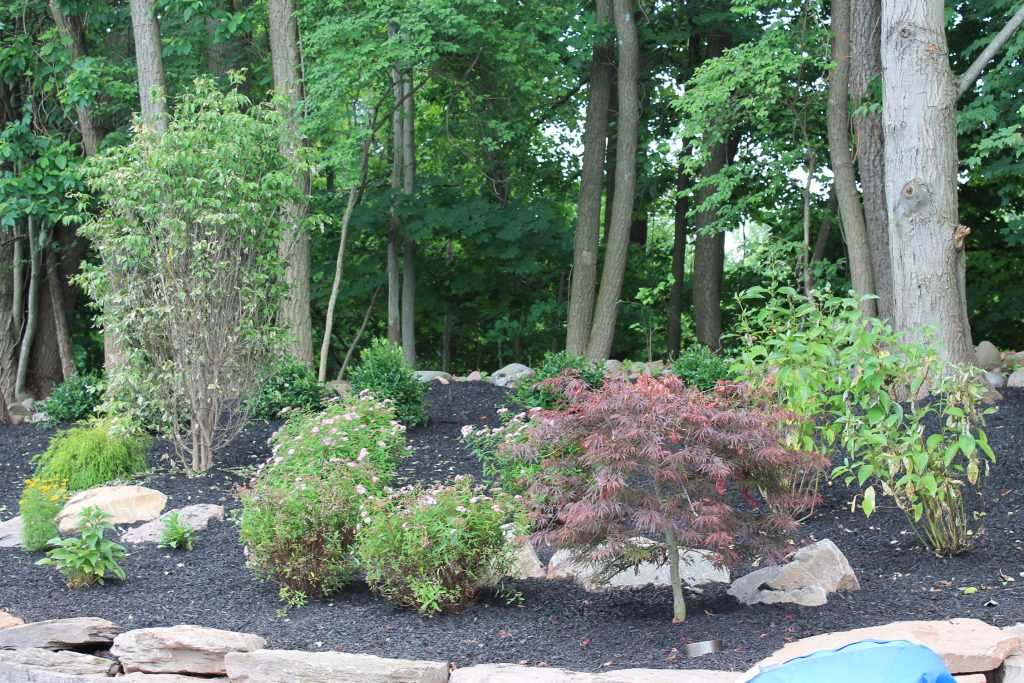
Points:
point(557, 623)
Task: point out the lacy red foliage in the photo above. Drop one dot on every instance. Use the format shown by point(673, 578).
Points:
point(640, 458)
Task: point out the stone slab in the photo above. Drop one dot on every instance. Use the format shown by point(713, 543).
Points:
point(295, 666)
point(124, 504)
point(695, 569)
point(19, 673)
point(7, 620)
point(11, 532)
point(60, 661)
point(514, 673)
point(183, 649)
point(60, 634)
point(668, 676)
point(196, 516)
point(965, 645)
point(138, 677)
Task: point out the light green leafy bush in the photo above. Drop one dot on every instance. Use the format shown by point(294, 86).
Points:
point(86, 559)
point(488, 445)
point(383, 371)
point(41, 502)
point(434, 549)
point(91, 455)
point(299, 513)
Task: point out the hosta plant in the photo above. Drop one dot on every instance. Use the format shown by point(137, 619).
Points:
point(87, 559)
point(659, 459)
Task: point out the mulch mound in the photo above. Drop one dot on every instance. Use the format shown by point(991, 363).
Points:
point(557, 623)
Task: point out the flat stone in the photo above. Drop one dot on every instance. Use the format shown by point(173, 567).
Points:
point(510, 375)
point(181, 649)
point(138, 677)
point(125, 505)
point(528, 564)
point(965, 645)
point(996, 379)
point(60, 634)
point(196, 516)
point(60, 661)
point(474, 376)
point(1016, 380)
point(1013, 666)
point(295, 666)
point(11, 532)
point(816, 571)
point(971, 678)
point(19, 673)
point(695, 569)
point(8, 620)
point(668, 676)
point(987, 356)
point(514, 673)
point(431, 375)
point(614, 368)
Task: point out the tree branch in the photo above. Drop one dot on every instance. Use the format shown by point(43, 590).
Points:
point(974, 71)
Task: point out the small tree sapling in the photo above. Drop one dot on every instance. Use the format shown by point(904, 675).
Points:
point(656, 458)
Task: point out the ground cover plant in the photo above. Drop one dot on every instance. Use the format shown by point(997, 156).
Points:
point(176, 534)
point(301, 511)
point(435, 548)
point(654, 457)
point(383, 371)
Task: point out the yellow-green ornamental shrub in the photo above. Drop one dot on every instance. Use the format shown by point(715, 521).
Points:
point(84, 457)
point(434, 549)
point(41, 502)
point(299, 513)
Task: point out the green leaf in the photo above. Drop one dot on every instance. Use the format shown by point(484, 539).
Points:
point(868, 503)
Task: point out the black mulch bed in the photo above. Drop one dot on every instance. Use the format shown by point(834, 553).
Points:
point(557, 623)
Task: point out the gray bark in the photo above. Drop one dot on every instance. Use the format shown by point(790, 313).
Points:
point(974, 70)
point(583, 282)
point(18, 280)
point(919, 115)
point(150, 63)
point(673, 329)
point(32, 318)
point(294, 246)
point(838, 119)
point(394, 276)
point(60, 314)
point(408, 246)
point(865, 70)
point(70, 28)
point(602, 332)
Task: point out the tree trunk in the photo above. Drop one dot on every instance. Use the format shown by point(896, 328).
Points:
point(18, 281)
point(673, 329)
point(838, 120)
point(602, 332)
point(9, 329)
point(919, 114)
point(150, 62)
point(709, 249)
point(294, 246)
point(394, 278)
point(32, 318)
point(217, 52)
point(583, 283)
point(825, 231)
point(408, 246)
point(60, 315)
point(865, 68)
point(70, 28)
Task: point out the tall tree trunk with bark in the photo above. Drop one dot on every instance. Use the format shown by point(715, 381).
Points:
point(408, 246)
point(583, 284)
point(32, 317)
point(838, 120)
point(395, 223)
point(865, 69)
point(294, 247)
point(70, 28)
point(709, 249)
point(673, 328)
point(59, 308)
point(602, 332)
point(919, 114)
point(150, 62)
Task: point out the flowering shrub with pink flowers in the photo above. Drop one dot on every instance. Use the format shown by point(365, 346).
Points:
point(300, 511)
point(435, 549)
point(490, 446)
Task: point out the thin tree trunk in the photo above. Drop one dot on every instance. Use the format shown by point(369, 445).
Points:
point(294, 245)
point(838, 119)
point(70, 27)
point(602, 332)
point(825, 231)
point(18, 280)
point(811, 167)
point(583, 282)
point(60, 315)
point(359, 335)
point(394, 278)
point(919, 114)
point(709, 249)
point(31, 320)
point(408, 246)
point(674, 328)
point(446, 333)
point(150, 62)
point(217, 52)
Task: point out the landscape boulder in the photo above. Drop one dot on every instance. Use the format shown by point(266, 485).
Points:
point(815, 572)
point(965, 645)
point(60, 661)
point(996, 379)
point(138, 677)
point(196, 516)
point(295, 666)
point(60, 634)
point(514, 673)
point(124, 504)
point(614, 368)
point(511, 375)
point(11, 533)
point(695, 569)
point(181, 649)
point(474, 376)
point(987, 356)
point(667, 676)
point(431, 376)
point(19, 673)
point(528, 564)
point(1016, 380)
point(1013, 666)
point(340, 387)
point(8, 620)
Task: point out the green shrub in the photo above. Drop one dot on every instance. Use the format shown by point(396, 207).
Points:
point(286, 384)
point(88, 558)
point(74, 399)
point(299, 514)
point(176, 534)
point(533, 393)
point(700, 368)
point(88, 456)
point(488, 444)
point(436, 548)
point(41, 502)
point(382, 369)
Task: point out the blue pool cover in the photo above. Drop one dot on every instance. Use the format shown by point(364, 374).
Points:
point(874, 661)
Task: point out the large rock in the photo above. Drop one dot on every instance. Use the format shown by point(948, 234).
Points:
point(181, 649)
point(996, 379)
point(965, 645)
point(511, 375)
point(513, 673)
point(1016, 380)
point(432, 375)
point(695, 569)
point(8, 620)
point(125, 505)
point(987, 356)
point(668, 676)
point(474, 376)
point(528, 564)
point(1013, 666)
point(137, 677)
point(614, 368)
point(61, 661)
point(340, 387)
point(11, 533)
point(294, 666)
point(196, 516)
point(815, 571)
point(60, 634)
point(19, 673)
